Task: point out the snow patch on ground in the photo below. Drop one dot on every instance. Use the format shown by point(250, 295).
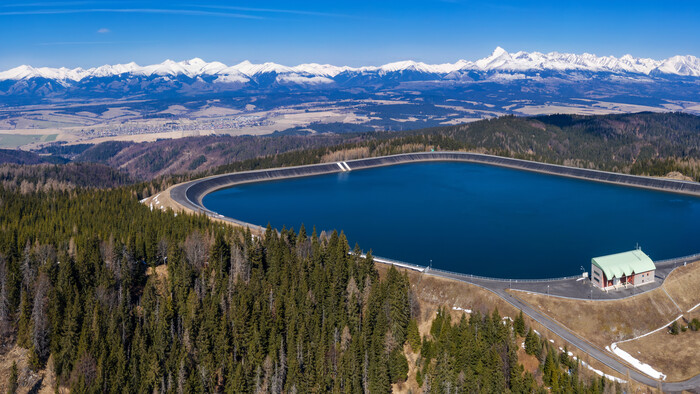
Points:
point(600, 373)
point(456, 308)
point(691, 309)
point(570, 354)
point(645, 368)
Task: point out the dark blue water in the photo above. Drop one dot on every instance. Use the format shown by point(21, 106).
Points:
point(474, 218)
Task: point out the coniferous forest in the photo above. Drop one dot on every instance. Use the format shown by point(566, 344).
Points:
point(114, 297)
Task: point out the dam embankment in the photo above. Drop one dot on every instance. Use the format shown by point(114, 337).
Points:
point(190, 194)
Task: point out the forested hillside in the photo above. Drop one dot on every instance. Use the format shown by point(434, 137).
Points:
point(46, 177)
point(111, 296)
point(642, 143)
point(107, 295)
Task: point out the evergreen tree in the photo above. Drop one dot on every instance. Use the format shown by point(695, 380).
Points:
point(519, 324)
point(12, 380)
point(532, 344)
point(413, 336)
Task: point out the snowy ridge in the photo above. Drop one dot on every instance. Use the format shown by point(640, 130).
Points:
point(499, 60)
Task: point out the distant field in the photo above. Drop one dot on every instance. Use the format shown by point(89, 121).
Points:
point(17, 140)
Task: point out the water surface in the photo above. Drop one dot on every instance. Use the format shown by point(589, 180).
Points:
point(474, 218)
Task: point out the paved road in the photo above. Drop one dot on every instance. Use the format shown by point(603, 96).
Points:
point(499, 288)
point(579, 288)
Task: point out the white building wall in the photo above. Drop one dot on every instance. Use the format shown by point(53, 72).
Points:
point(597, 276)
point(644, 277)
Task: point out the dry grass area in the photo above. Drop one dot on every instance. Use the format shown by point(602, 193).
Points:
point(162, 200)
point(684, 285)
point(529, 362)
point(42, 382)
point(432, 292)
point(674, 355)
point(603, 323)
point(410, 385)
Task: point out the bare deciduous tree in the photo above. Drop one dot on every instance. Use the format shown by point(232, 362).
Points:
point(45, 254)
point(196, 249)
point(28, 268)
point(111, 258)
point(162, 251)
point(5, 320)
point(40, 320)
point(240, 267)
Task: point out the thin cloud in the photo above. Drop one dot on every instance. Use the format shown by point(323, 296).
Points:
point(272, 10)
point(49, 4)
point(103, 30)
point(91, 43)
point(133, 11)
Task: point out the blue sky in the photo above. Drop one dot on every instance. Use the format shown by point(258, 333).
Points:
point(360, 32)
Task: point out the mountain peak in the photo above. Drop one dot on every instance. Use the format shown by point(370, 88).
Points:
point(498, 59)
point(499, 52)
point(195, 61)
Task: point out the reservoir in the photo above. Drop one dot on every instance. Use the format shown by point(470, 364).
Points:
point(474, 218)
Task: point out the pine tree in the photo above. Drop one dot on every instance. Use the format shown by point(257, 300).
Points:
point(519, 324)
point(12, 380)
point(413, 336)
point(532, 344)
point(398, 366)
point(24, 321)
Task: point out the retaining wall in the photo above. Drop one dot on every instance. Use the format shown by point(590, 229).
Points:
point(190, 194)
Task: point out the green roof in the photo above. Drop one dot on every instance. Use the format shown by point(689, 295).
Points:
point(624, 264)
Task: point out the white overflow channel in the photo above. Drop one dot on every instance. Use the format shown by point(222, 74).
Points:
point(343, 166)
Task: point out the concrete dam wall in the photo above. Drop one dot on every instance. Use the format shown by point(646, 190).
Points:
point(190, 194)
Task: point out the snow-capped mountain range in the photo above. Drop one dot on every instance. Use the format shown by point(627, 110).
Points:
point(500, 60)
point(504, 77)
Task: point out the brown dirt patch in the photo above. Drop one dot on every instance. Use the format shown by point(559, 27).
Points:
point(42, 382)
point(161, 272)
point(530, 363)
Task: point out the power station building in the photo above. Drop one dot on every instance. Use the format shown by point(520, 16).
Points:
point(633, 268)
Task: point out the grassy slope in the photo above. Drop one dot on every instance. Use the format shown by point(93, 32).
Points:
point(603, 323)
